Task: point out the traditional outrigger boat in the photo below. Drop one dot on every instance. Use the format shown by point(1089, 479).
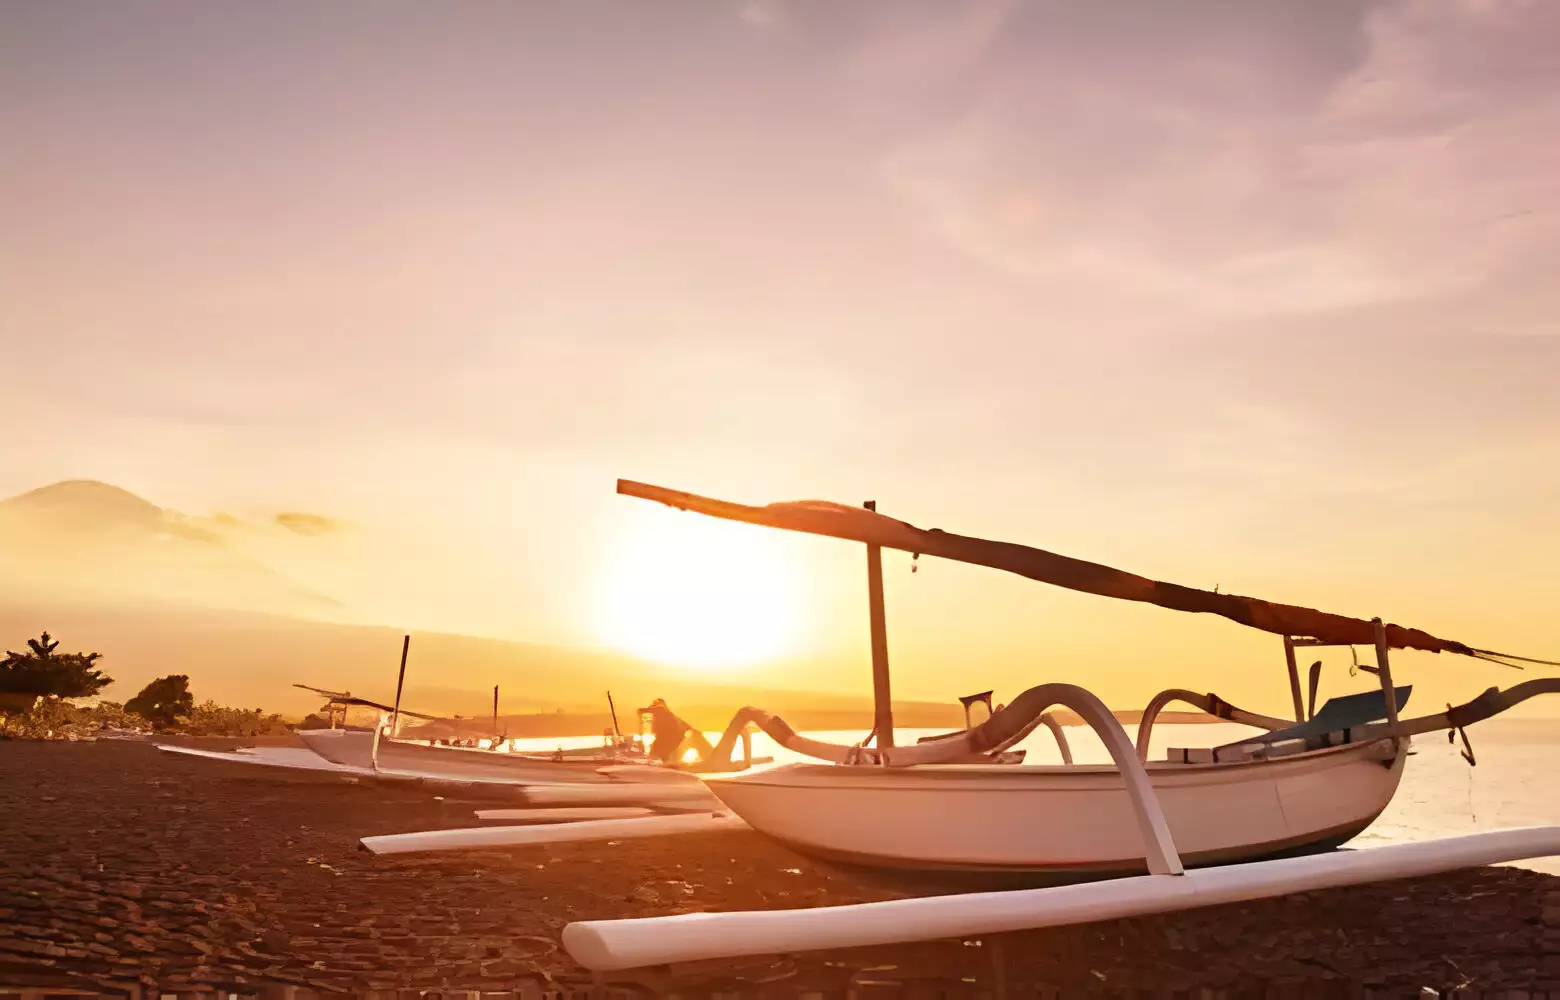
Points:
point(1307, 784)
point(1209, 825)
point(1298, 789)
point(364, 748)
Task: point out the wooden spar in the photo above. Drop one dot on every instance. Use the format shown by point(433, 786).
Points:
point(616, 732)
point(400, 679)
point(882, 699)
point(495, 711)
point(1384, 671)
point(1294, 677)
point(855, 524)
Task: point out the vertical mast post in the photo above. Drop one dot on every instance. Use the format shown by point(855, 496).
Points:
point(495, 711)
point(400, 679)
point(1384, 671)
point(882, 700)
point(1294, 678)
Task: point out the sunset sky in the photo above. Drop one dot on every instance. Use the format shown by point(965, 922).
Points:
point(1252, 294)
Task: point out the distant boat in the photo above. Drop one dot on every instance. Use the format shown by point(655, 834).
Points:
point(354, 747)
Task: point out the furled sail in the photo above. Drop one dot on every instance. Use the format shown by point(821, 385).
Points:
point(820, 517)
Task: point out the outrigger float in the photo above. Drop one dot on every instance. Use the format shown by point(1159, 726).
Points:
point(1265, 808)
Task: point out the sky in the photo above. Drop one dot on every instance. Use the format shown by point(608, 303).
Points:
point(1249, 294)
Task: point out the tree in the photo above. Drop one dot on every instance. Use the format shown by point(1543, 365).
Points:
point(164, 701)
point(42, 670)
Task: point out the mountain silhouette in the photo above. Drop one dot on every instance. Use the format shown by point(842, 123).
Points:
point(84, 540)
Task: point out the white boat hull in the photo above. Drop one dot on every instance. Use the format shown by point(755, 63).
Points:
point(1065, 820)
point(355, 748)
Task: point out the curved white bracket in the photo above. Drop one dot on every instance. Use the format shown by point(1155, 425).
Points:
point(1160, 852)
point(380, 725)
point(1049, 721)
point(1203, 703)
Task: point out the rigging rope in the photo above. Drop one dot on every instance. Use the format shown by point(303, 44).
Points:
point(1503, 663)
point(1523, 659)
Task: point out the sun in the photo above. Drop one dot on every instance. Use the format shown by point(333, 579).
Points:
point(693, 592)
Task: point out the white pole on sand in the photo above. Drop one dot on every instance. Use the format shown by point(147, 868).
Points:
point(565, 814)
point(551, 833)
point(606, 945)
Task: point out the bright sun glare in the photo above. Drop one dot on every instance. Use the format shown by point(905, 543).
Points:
point(689, 591)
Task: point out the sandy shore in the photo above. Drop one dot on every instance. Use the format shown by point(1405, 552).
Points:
point(123, 865)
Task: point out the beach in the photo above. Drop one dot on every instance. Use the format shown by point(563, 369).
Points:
point(131, 868)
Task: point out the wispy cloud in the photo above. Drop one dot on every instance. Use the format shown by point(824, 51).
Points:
point(307, 524)
point(1242, 184)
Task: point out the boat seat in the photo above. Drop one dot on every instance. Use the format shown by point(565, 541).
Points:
point(1208, 755)
point(1338, 715)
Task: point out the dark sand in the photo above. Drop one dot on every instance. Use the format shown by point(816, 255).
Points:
point(120, 864)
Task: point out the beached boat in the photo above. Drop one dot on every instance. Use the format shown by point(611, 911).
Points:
point(1075, 820)
point(1308, 784)
point(357, 748)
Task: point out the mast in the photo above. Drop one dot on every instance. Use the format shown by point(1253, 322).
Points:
point(882, 700)
point(395, 713)
point(1384, 672)
point(495, 711)
point(1294, 677)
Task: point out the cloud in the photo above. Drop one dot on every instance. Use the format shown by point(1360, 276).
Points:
point(307, 524)
point(761, 15)
point(1302, 161)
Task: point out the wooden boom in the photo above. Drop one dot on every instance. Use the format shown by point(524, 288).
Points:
point(834, 520)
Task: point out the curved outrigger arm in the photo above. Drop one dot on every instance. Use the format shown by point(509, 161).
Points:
point(1004, 729)
point(1487, 705)
point(1210, 703)
point(1049, 721)
point(1046, 719)
point(1028, 711)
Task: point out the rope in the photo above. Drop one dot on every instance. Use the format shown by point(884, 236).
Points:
point(1523, 659)
point(1503, 663)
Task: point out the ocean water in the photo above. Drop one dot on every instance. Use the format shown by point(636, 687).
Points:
point(1513, 784)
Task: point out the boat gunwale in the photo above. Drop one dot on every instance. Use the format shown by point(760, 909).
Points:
point(840, 775)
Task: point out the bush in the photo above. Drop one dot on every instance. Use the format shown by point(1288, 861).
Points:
point(164, 701)
point(210, 719)
point(43, 671)
point(57, 719)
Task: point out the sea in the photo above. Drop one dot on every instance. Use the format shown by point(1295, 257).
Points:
point(1512, 782)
